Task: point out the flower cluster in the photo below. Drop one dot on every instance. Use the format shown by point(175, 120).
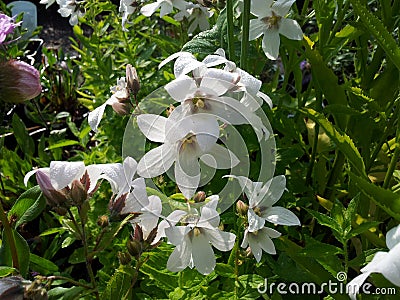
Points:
point(68, 8)
point(196, 14)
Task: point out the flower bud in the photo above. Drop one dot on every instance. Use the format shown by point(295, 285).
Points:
point(78, 192)
point(199, 197)
point(102, 221)
point(242, 208)
point(132, 79)
point(124, 258)
point(134, 247)
point(53, 197)
point(122, 108)
point(19, 82)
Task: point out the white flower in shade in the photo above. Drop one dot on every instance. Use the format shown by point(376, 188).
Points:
point(206, 95)
point(193, 241)
point(166, 7)
point(183, 143)
point(260, 240)
point(197, 16)
point(48, 2)
point(72, 9)
point(63, 173)
point(386, 263)
point(271, 22)
point(126, 8)
point(119, 92)
point(261, 198)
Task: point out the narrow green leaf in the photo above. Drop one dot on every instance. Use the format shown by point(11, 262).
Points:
point(326, 81)
point(24, 141)
point(23, 253)
point(42, 265)
point(362, 228)
point(119, 283)
point(379, 31)
point(385, 199)
point(63, 143)
point(28, 206)
point(342, 141)
point(5, 271)
point(326, 220)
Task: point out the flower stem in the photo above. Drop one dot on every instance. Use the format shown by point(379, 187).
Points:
point(10, 236)
point(230, 36)
point(245, 34)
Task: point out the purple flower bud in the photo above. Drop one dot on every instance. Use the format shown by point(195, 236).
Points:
point(54, 198)
point(19, 82)
point(132, 79)
point(7, 26)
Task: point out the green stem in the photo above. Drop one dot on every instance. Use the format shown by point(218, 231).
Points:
point(76, 283)
point(135, 276)
point(10, 236)
point(245, 34)
point(395, 157)
point(334, 174)
point(89, 262)
point(229, 20)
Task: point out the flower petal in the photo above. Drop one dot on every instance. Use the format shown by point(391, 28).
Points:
point(270, 43)
point(62, 173)
point(271, 192)
point(187, 174)
point(393, 237)
point(254, 246)
point(221, 240)
point(219, 81)
point(180, 258)
point(281, 216)
point(257, 28)
point(220, 157)
point(153, 126)
point(261, 7)
point(157, 161)
point(282, 7)
point(255, 221)
point(291, 29)
point(203, 255)
point(137, 199)
point(30, 173)
point(181, 88)
point(149, 9)
point(209, 218)
point(95, 116)
point(354, 286)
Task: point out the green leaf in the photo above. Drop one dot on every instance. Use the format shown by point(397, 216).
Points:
point(362, 228)
point(379, 31)
point(225, 270)
point(119, 284)
point(326, 221)
point(5, 271)
point(78, 256)
point(63, 143)
point(60, 293)
point(385, 199)
point(326, 81)
point(23, 253)
point(28, 206)
point(22, 136)
point(342, 141)
point(42, 265)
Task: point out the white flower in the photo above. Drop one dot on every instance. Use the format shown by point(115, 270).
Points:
point(386, 263)
point(193, 241)
point(126, 8)
point(184, 142)
point(207, 95)
point(260, 240)
point(119, 92)
point(48, 2)
point(197, 16)
point(72, 9)
point(261, 200)
point(166, 7)
point(271, 22)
